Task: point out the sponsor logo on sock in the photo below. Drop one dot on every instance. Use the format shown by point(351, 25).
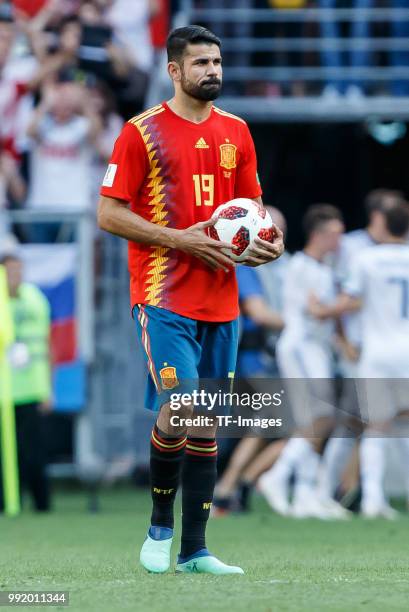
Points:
point(163, 491)
point(207, 505)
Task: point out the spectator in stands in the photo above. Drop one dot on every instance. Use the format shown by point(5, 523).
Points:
point(63, 128)
point(102, 100)
point(16, 75)
point(31, 379)
point(65, 57)
point(100, 52)
point(12, 186)
point(90, 13)
point(83, 49)
point(400, 58)
point(130, 23)
point(160, 25)
point(114, 46)
point(334, 58)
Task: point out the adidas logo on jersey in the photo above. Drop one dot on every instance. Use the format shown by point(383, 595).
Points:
point(201, 144)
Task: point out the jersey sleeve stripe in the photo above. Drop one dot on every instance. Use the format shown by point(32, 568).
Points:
point(226, 114)
point(139, 120)
point(147, 112)
point(138, 123)
point(142, 131)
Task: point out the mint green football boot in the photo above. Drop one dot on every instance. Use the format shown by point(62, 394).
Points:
point(155, 551)
point(203, 562)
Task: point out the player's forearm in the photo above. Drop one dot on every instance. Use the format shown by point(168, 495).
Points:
point(348, 303)
point(37, 118)
point(115, 218)
point(17, 187)
point(271, 320)
point(343, 305)
point(95, 124)
point(260, 313)
point(46, 69)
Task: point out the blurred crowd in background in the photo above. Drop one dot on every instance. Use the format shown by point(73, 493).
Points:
point(71, 72)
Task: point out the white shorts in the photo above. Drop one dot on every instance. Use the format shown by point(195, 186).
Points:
point(381, 399)
point(388, 361)
point(383, 385)
point(307, 372)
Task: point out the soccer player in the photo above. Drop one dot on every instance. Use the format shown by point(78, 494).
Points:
point(340, 446)
point(174, 164)
point(378, 284)
point(304, 352)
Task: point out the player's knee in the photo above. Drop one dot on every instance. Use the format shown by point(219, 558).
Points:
point(182, 412)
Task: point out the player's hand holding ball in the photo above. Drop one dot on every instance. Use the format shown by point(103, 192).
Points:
point(247, 228)
point(215, 253)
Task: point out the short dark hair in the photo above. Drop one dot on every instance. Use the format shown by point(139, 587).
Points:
point(69, 20)
point(317, 215)
point(381, 199)
point(397, 219)
point(180, 38)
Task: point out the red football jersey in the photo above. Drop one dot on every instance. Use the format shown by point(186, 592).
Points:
point(175, 173)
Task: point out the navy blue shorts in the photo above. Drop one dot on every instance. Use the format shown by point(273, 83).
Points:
point(180, 351)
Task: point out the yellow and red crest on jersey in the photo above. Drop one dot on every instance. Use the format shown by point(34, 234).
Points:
point(168, 377)
point(228, 156)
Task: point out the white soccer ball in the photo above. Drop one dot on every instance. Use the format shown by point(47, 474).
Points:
point(239, 222)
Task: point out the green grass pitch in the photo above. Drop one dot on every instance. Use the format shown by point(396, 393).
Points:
point(290, 565)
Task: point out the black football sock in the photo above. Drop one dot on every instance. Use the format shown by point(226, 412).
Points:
point(165, 467)
point(199, 475)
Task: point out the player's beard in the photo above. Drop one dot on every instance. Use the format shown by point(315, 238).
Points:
point(207, 91)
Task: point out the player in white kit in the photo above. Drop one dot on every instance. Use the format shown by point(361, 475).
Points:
point(378, 284)
point(342, 442)
point(304, 354)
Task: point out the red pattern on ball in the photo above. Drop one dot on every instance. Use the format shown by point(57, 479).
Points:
point(267, 233)
point(213, 233)
point(233, 212)
point(241, 239)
